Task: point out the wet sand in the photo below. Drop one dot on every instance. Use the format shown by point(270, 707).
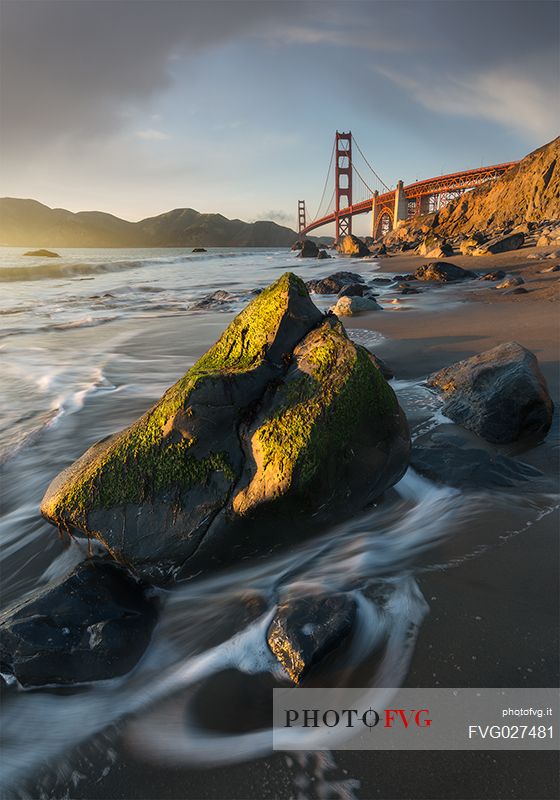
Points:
point(493, 620)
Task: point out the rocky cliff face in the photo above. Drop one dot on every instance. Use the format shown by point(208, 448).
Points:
point(528, 193)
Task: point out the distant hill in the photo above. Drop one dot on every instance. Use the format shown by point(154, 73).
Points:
point(27, 223)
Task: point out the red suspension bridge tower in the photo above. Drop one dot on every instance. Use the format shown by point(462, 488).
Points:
point(343, 182)
point(301, 217)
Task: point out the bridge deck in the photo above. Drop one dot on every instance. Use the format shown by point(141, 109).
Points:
point(455, 181)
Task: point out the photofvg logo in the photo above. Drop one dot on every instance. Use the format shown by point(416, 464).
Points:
point(415, 719)
point(352, 717)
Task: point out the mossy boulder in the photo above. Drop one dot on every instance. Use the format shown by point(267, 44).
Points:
point(283, 413)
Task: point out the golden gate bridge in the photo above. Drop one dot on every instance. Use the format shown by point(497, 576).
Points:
point(352, 194)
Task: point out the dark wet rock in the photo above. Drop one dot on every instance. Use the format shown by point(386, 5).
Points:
point(91, 625)
point(406, 289)
point(510, 280)
point(496, 275)
point(283, 417)
point(381, 281)
point(323, 254)
point(470, 468)
point(442, 271)
point(42, 254)
point(304, 630)
point(351, 245)
point(324, 286)
point(500, 244)
point(344, 276)
point(381, 250)
point(518, 290)
point(352, 290)
point(382, 366)
point(297, 245)
point(214, 300)
point(199, 250)
point(333, 283)
point(500, 394)
point(309, 249)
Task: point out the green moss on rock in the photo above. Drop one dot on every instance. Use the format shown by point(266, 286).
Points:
point(142, 461)
point(336, 390)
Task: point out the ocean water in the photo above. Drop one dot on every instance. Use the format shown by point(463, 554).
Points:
point(87, 343)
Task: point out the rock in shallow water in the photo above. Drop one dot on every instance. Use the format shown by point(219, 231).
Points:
point(305, 629)
point(92, 625)
point(469, 467)
point(42, 254)
point(283, 415)
point(500, 394)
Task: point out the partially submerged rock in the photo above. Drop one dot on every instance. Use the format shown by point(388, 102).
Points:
point(199, 250)
point(500, 244)
point(348, 306)
point(351, 245)
point(382, 365)
point(496, 275)
point(352, 290)
point(309, 249)
point(323, 254)
point(306, 629)
point(510, 280)
point(284, 412)
point(214, 300)
point(470, 467)
point(42, 254)
point(92, 625)
point(442, 271)
point(500, 394)
point(332, 284)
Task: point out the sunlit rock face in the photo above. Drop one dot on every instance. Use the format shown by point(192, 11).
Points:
point(351, 245)
point(282, 425)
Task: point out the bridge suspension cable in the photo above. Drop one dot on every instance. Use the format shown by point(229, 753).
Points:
point(329, 173)
point(381, 181)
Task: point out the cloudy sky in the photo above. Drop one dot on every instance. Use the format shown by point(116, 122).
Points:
point(135, 107)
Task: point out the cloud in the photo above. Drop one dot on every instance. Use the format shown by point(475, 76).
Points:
point(275, 215)
point(504, 95)
point(151, 134)
point(81, 70)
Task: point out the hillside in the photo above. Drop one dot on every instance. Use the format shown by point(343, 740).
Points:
point(27, 223)
point(527, 193)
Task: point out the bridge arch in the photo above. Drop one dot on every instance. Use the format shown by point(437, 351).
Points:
point(384, 223)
